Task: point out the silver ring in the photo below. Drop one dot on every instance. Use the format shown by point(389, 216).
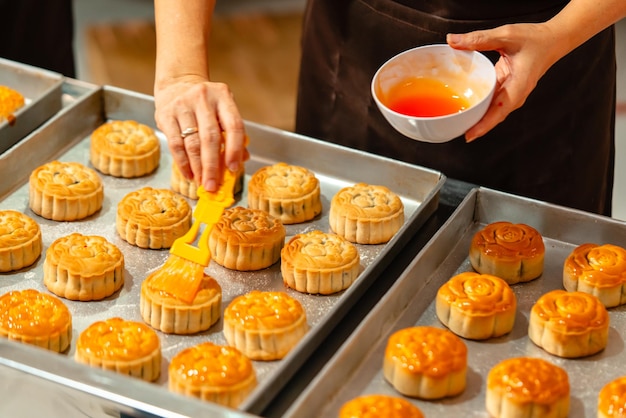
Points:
point(189, 131)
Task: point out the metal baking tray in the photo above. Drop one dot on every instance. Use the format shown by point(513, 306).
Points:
point(42, 90)
point(356, 367)
point(335, 166)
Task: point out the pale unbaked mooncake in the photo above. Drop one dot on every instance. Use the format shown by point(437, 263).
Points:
point(246, 239)
point(599, 270)
point(289, 193)
point(513, 252)
point(569, 324)
point(379, 406)
point(318, 262)
point(527, 387)
point(366, 214)
point(20, 240)
point(125, 148)
point(152, 218)
point(214, 373)
point(36, 318)
point(65, 191)
point(168, 313)
point(264, 325)
point(426, 362)
point(476, 306)
point(189, 188)
point(83, 267)
point(126, 347)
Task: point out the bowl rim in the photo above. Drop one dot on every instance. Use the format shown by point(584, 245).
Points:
point(492, 76)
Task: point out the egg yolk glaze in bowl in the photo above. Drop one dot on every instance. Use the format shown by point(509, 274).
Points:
point(434, 93)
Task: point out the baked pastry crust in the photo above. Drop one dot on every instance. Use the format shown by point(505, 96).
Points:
point(379, 406)
point(65, 191)
point(264, 325)
point(569, 324)
point(426, 362)
point(214, 373)
point(126, 347)
point(169, 314)
point(83, 267)
point(189, 188)
point(476, 306)
point(366, 214)
point(10, 101)
point(152, 218)
point(513, 252)
point(20, 240)
point(599, 270)
point(317, 262)
point(289, 193)
point(35, 318)
point(524, 387)
point(125, 148)
point(612, 399)
point(246, 239)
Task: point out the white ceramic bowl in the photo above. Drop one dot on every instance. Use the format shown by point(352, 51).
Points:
point(471, 74)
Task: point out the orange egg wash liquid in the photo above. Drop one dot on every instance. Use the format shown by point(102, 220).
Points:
point(424, 97)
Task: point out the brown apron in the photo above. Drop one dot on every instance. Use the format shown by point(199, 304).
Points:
point(39, 33)
point(559, 147)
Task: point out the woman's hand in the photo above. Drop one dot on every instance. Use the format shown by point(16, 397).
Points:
point(525, 56)
point(194, 102)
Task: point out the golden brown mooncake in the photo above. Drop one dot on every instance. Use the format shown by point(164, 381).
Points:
point(214, 373)
point(569, 324)
point(513, 252)
point(20, 240)
point(612, 399)
point(35, 318)
point(65, 191)
point(476, 306)
point(289, 193)
point(379, 406)
point(318, 262)
point(152, 218)
point(83, 267)
point(264, 325)
point(126, 347)
point(11, 101)
point(599, 270)
point(525, 387)
point(366, 214)
point(124, 148)
point(425, 362)
point(168, 313)
point(246, 239)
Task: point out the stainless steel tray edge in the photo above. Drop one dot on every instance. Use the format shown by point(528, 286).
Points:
point(43, 91)
point(71, 388)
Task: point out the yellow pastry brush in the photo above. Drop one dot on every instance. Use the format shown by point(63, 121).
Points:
point(182, 273)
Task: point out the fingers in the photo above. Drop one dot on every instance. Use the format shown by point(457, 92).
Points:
point(219, 140)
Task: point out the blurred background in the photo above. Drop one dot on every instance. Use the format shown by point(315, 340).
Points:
point(254, 48)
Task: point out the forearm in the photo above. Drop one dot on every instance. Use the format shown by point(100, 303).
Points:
point(580, 20)
point(182, 36)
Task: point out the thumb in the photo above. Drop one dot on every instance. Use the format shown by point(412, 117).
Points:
point(480, 40)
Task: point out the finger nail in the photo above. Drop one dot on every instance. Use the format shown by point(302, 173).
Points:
point(210, 186)
point(454, 38)
point(234, 167)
